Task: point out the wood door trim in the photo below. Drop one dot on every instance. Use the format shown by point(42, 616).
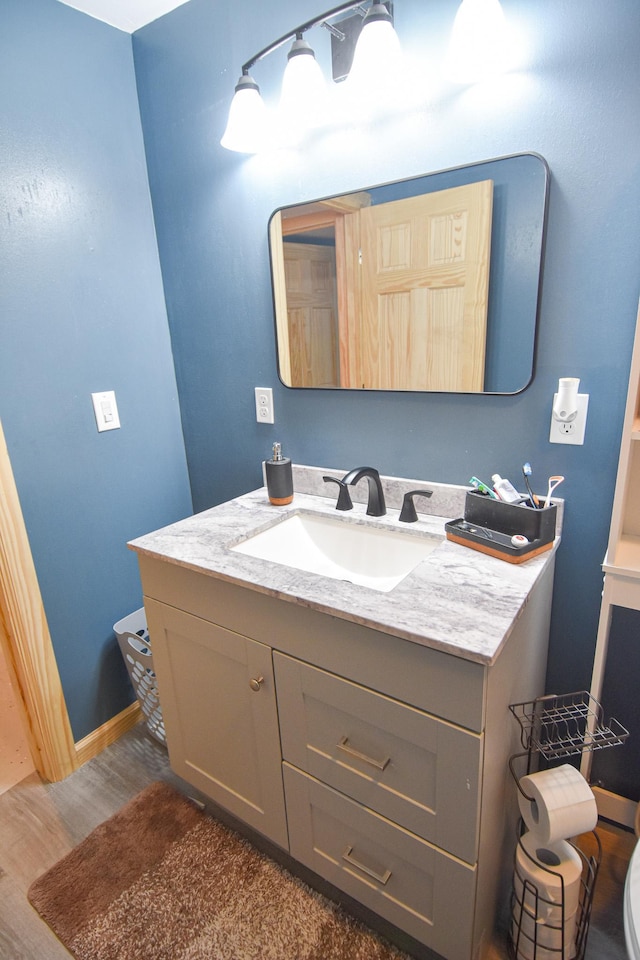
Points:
point(26, 640)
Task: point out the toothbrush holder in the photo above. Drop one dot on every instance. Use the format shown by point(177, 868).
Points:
point(537, 525)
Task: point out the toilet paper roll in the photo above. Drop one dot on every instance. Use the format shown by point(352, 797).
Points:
point(535, 942)
point(562, 804)
point(545, 878)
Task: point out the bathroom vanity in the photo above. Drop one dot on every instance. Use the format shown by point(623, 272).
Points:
point(364, 732)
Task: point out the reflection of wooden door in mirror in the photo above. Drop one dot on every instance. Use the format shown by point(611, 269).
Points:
point(425, 285)
point(312, 313)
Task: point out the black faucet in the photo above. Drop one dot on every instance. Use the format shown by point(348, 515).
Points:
point(408, 513)
point(376, 506)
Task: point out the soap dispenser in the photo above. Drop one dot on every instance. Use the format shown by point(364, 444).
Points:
point(279, 478)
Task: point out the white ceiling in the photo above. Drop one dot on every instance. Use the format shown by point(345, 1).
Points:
point(127, 15)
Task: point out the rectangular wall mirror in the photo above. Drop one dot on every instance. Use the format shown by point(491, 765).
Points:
point(426, 284)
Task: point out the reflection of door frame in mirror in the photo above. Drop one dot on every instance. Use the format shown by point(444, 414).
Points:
point(517, 253)
point(337, 213)
point(280, 296)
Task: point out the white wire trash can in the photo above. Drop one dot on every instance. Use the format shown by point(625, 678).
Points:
point(135, 646)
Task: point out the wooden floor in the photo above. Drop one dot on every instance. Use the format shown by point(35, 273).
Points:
point(39, 823)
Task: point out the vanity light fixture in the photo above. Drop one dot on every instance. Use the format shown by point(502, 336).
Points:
point(365, 49)
point(369, 34)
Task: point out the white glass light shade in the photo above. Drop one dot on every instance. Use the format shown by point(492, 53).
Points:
point(247, 123)
point(377, 55)
point(304, 93)
point(478, 47)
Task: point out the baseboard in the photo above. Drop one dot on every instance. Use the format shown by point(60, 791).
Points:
point(96, 741)
point(613, 807)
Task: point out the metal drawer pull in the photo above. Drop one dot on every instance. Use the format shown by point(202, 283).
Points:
point(255, 683)
point(343, 744)
point(370, 873)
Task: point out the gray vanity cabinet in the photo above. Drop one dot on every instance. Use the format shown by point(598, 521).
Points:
point(378, 762)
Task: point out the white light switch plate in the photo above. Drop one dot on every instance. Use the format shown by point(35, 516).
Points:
point(106, 410)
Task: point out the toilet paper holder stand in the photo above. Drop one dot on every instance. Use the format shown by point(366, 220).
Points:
point(554, 727)
point(537, 930)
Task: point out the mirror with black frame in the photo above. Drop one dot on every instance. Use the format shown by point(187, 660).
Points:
point(426, 284)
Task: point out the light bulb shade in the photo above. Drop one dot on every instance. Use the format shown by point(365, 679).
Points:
point(377, 56)
point(247, 123)
point(304, 93)
point(478, 47)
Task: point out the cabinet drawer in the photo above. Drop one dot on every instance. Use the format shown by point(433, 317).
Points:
point(412, 884)
point(416, 770)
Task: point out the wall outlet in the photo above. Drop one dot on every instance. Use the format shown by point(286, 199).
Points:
point(264, 405)
point(572, 432)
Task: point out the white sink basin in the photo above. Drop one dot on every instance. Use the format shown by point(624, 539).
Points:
point(340, 549)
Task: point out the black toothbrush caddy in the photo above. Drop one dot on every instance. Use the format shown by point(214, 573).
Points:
point(497, 528)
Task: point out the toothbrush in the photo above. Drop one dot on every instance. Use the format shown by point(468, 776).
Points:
point(483, 488)
point(553, 483)
point(526, 473)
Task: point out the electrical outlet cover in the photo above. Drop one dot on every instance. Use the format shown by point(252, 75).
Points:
point(572, 432)
point(264, 405)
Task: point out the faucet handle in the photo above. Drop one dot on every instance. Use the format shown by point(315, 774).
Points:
point(408, 513)
point(344, 498)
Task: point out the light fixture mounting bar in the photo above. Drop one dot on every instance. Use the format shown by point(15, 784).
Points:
point(342, 8)
point(338, 34)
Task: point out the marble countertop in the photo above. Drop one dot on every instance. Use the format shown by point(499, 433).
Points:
point(457, 600)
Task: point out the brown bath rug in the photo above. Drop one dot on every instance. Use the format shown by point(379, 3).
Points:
point(161, 880)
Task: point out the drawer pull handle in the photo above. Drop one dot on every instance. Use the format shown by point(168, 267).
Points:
point(347, 855)
point(343, 744)
point(255, 683)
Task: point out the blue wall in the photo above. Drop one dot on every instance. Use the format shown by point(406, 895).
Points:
point(574, 101)
point(82, 310)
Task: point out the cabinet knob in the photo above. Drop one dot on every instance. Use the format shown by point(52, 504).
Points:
point(255, 683)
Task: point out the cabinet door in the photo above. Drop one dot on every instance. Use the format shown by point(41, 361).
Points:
point(217, 696)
